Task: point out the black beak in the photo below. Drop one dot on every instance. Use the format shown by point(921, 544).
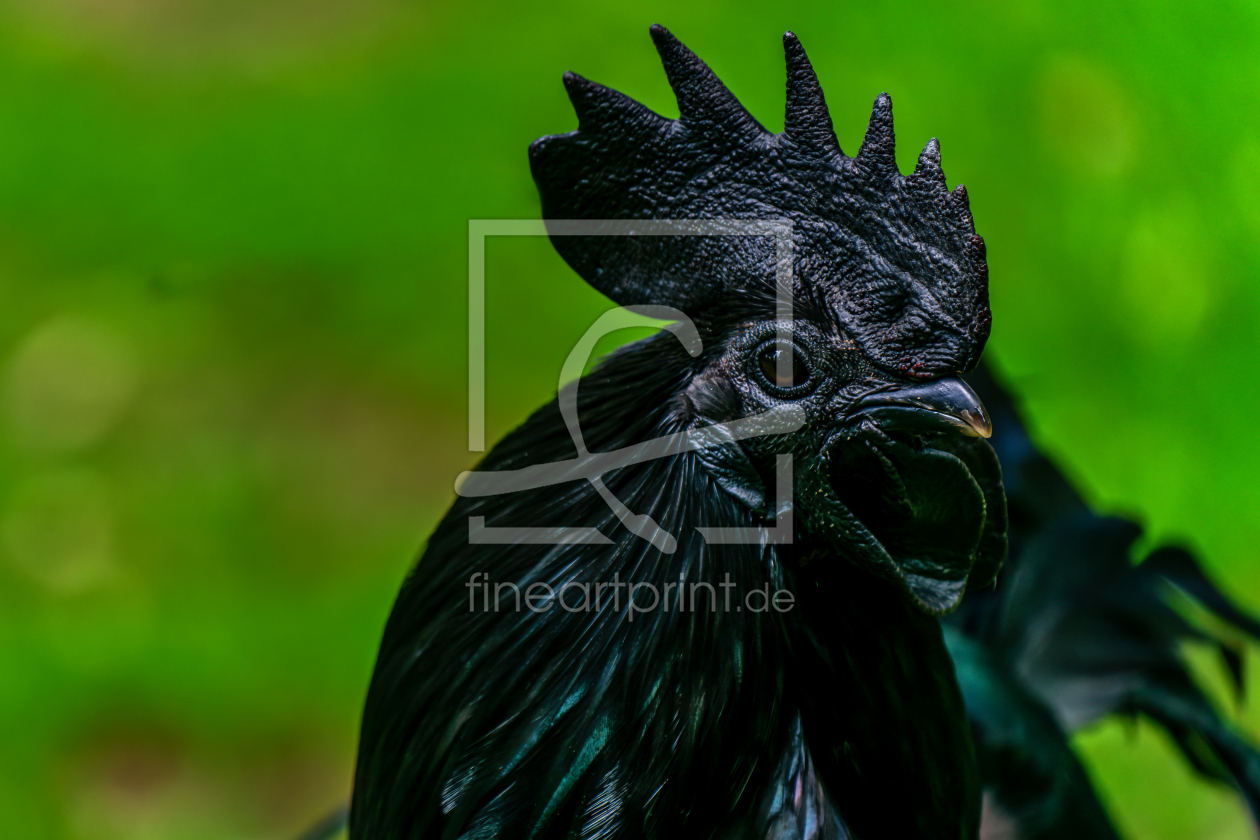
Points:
point(941, 405)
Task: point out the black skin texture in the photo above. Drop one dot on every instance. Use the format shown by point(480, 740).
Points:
point(1074, 631)
point(839, 718)
point(895, 260)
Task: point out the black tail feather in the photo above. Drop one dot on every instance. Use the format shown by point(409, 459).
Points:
point(1085, 633)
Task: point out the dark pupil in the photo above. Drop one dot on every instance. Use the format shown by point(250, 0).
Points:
point(770, 367)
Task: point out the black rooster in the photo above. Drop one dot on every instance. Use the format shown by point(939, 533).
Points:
point(835, 713)
point(1075, 631)
point(820, 700)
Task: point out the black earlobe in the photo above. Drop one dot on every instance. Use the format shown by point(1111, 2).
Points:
point(729, 465)
point(712, 398)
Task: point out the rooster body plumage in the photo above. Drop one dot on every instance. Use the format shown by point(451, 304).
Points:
point(681, 723)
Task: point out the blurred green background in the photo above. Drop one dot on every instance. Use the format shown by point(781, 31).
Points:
point(233, 327)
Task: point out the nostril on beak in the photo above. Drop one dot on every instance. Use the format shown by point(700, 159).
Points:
point(940, 405)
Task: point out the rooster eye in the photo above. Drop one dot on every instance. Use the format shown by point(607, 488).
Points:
point(795, 385)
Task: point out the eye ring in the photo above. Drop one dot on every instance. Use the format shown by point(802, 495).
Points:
point(766, 368)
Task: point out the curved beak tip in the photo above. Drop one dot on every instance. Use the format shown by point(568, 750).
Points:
point(978, 422)
point(946, 403)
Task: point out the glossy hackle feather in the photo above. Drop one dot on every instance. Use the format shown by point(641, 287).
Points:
point(678, 723)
